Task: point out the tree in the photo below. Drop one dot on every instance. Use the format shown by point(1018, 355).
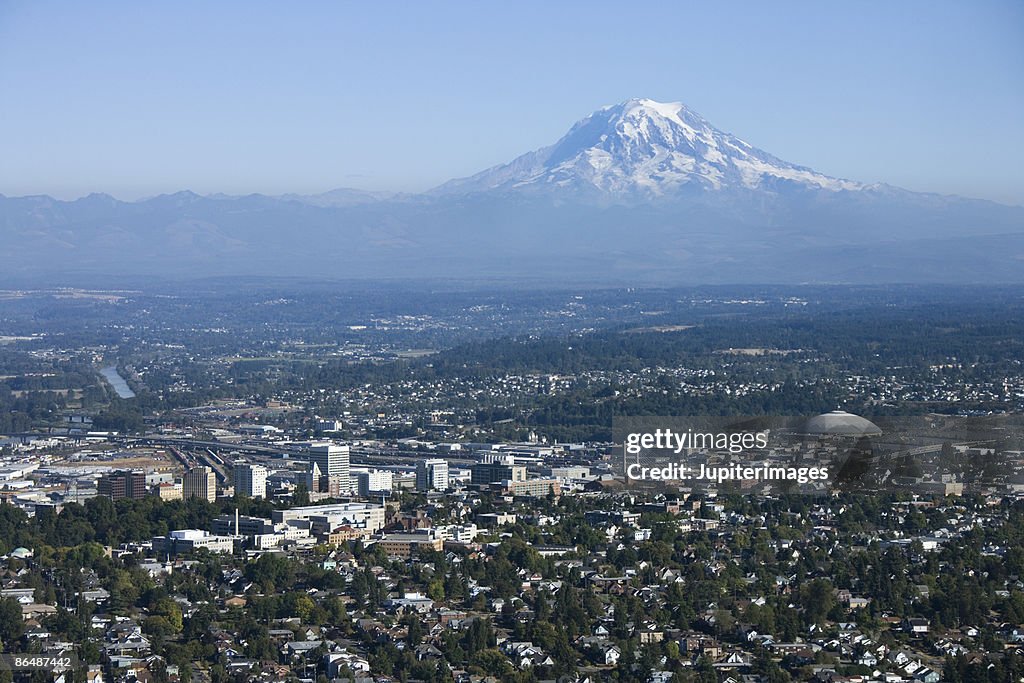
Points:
point(272, 572)
point(415, 634)
point(435, 589)
point(12, 624)
point(298, 605)
point(171, 611)
point(817, 599)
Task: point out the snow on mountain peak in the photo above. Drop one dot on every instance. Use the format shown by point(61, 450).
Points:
point(646, 148)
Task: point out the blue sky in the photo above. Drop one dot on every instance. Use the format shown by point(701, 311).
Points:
point(136, 99)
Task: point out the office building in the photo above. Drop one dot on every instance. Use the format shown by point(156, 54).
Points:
point(320, 485)
point(333, 461)
point(329, 425)
point(241, 525)
point(432, 475)
point(200, 482)
point(372, 482)
point(485, 473)
point(122, 484)
point(250, 480)
point(367, 517)
point(169, 491)
point(530, 488)
point(188, 540)
point(157, 478)
point(406, 545)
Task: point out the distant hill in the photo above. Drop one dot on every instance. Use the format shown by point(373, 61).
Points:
point(641, 192)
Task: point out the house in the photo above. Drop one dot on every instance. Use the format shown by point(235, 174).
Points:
point(426, 651)
point(300, 648)
point(97, 595)
point(134, 644)
point(525, 654)
point(37, 610)
point(337, 662)
point(648, 636)
point(410, 602)
point(856, 602)
point(25, 596)
point(734, 660)
point(235, 601)
point(899, 658)
point(701, 645)
point(916, 626)
point(867, 659)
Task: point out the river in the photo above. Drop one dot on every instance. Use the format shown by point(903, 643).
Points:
point(117, 381)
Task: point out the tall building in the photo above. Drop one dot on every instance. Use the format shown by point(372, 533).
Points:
point(484, 473)
point(250, 480)
point(122, 484)
point(373, 482)
point(200, 482)
point(333, 461)
point(432, 475)
point(321, 485)
point(312, 476)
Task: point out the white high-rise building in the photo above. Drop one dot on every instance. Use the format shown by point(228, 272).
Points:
point(372, 482)
point(200, 482)
point(250, 480)
point(333, 461)
point(432, 475)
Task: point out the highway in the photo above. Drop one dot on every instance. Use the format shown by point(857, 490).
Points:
point(211, 453)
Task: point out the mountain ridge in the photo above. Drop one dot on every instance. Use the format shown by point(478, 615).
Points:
point(641, 191)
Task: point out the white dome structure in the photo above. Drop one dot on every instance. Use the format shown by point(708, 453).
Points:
point(841, 423)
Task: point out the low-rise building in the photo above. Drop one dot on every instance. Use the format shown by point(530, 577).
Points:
point(408, 544)
point(189, 540)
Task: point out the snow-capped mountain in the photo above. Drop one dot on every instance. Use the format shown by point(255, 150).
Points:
point(639, 192)
point(648, 149)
